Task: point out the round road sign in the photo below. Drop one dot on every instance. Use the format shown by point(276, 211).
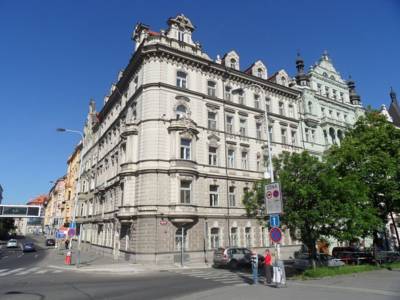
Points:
point(269, 195)
point(276, 234)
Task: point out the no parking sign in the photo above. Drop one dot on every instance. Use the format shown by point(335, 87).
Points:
point(273, 199)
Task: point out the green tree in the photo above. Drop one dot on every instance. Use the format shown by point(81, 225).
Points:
point(317, 202)
point(371, 152)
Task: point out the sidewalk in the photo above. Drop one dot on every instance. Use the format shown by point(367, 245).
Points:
point(91, 261)
point(363, 286)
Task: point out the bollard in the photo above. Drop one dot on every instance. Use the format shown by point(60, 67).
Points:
point(68, 258)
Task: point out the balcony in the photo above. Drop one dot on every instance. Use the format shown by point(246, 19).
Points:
point(331, 121)
point(183, 124)
point(128, 129)
point(311, 119)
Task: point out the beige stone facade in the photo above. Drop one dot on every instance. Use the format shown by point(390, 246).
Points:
point(179, 140)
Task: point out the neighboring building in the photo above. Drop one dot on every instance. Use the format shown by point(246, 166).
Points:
point(330, 105)
point(181, 137)
point(32, 225)
point(54, 208)
point(70, 185)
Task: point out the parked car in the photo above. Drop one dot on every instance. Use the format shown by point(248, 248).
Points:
point(28, 247)
point(234, 257)
point(50, 242)
point(12, 243)
point(387, 256)
point(322, 260)
point(352, 255)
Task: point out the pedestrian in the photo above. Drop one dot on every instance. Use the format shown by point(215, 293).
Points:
point(254, 266)
point(267, 266)
point(66, 244)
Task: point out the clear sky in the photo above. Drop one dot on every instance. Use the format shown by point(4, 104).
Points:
point(56, 55)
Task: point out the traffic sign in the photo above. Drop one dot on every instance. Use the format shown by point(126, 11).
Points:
point(275, 234)
point(71, 232)
point(163, 222)
point(273, 199)
point(274, 221)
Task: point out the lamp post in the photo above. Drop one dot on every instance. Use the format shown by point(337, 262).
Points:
point(78, 187)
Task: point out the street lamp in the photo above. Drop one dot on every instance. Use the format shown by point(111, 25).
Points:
point(78, 187)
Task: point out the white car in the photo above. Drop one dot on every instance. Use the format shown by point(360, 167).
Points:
point(12, 243)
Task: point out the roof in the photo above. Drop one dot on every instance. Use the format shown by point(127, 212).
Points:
point(39, 200)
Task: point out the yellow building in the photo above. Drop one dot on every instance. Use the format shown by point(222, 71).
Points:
point(71, 181)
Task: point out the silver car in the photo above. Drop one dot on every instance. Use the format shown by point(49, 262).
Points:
point(322, 260)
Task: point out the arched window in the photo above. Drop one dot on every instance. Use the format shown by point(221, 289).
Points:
point(325, 74)
point(283, 80)
point(332, 77)
point(233, 63)
point(181, 111)
point(332, 134)
point(310, 107)
point(260, 72)
point(181, 79)
point(214, 238)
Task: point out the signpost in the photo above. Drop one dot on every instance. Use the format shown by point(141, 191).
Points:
point(276, 234)
point(273, 199)
point(274, 221)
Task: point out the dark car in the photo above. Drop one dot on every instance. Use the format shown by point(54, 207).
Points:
point(352, 255)
point(235, 257)
point(28, 247)
point(50, 242)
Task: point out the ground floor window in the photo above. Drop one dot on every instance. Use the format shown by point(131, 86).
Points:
point(214, 238)
point(234, 237)
point(247, 237)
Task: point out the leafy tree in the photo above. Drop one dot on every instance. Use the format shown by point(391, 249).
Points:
point(371, 152)
point(317, 202)
point(6, 224)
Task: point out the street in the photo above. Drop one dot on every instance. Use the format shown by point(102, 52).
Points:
point(33, 276)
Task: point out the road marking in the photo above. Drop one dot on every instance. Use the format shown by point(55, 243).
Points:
point(3, 270)
point(42, 271)
point(57, 271)
point(11, 271)
point(36, 256)
point(31, 270)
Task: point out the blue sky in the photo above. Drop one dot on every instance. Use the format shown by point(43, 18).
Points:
point(56, 55)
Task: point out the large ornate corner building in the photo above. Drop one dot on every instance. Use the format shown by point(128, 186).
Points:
point(181, 137)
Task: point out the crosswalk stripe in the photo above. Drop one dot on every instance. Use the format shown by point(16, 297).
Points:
point(11, 271)
point(42, 271)
point(3, 270)
point(31, 270)
point(57, 271)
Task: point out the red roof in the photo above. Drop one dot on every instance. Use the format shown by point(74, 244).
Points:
point(153, 33)
point(39, 200)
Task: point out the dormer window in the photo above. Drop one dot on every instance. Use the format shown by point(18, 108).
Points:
point(211, 88)
point(260, 72)
point(325, 74)
point(283, 80)
point(233, 63)
point(181, 36)
point(181, 79)
point(332, 77)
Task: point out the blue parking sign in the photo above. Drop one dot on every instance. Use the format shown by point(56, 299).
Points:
point(274, 221)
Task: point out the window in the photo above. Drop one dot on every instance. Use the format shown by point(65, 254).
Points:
point(342, 96)
point(267, 104)
point(178, 239)
point(307, 134)
point(331, 113)
point(232, 200)
point(211, 87)
point(247, 237)
point(334, 94)
point(258, 130)
point(185, 191)
point(212, 120)
point(293, 137)
point(214, 238)
point(228, 94)
point(325, 74)
point(181, 36)
point(233, 63)
point(244, 160)
point(231, 158)
point(213, 195)
point(181, 111)
point(185, 148)
point(338, 115)
point(257, 101)
point(260, 72)
point(243, 127)
point(258, 163)
point(319, 87)
point(245, 190)
point(310, 107)
point(270, 133)
point(212, 156)
point(241, 98)
point(181, 79)
point(332, 77)
point(234, 237)
point(283, 80)
point(313, 135)
point(345, 118)
point(323, 111)
point(229, 124)
point(283, 136)
point(291, 111)
point(327, 91)
point(326, 137)
point(281, 109)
